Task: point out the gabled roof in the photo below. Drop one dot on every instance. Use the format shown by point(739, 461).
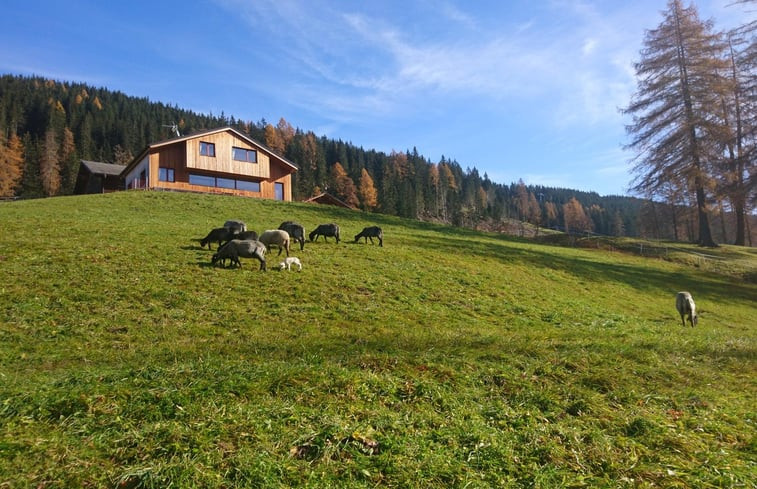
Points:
point(200, 134)
point(328, 199)
point(98, 168)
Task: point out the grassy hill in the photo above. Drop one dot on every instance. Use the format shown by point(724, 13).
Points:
point(447, 358)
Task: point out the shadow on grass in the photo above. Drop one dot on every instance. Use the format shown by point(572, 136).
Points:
point(644, 278)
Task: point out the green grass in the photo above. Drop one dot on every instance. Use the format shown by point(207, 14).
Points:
point(447, 358)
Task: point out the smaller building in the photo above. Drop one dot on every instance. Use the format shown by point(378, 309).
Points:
point(95, 177)
point(326, 198)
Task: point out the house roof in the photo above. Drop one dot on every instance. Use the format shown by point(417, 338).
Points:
point(99, 168)
point(328, 199)
point(167, 142)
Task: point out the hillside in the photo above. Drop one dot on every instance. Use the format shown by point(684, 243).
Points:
point(447, 358)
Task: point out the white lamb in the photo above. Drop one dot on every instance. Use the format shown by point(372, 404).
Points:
point(289, 261)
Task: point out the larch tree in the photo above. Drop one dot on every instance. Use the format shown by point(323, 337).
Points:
point(274, 140)
point(343, 186)
point(11, 165)
point(49, 164)
point(367, 190)
point(675, 123)
point(68, 162)
point(576, 220)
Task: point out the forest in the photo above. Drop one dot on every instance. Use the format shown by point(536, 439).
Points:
point(48, 126)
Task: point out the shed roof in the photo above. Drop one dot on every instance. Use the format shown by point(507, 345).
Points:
point(99, 168)
point(328, 199)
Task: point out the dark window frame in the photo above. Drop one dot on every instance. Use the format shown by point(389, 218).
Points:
point(207, 178)
point(207, 149)
point(250, 155)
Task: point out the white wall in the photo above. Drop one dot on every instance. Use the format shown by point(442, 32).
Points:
point(133, 175)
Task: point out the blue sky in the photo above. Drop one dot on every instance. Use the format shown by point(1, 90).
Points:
point(518, 89)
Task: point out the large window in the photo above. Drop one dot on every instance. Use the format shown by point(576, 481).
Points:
point(166, 175)
point(220, 182)
point(249, 186)
point(241, 154)
point(207, 149)
point(203, 180)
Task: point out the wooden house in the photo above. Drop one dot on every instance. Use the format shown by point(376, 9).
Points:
point(96, 178)
point(219, 161)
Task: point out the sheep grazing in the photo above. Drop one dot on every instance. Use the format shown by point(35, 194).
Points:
point(247, 235)
point(222, 235)
point(235, 226)
point(275, 237)
point(325, 230)
point(685, 305)
point(239, 248)
point(369, 233)
point(296, 232)
point(289, 261)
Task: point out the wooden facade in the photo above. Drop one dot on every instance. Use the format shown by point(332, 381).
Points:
point(211, 161)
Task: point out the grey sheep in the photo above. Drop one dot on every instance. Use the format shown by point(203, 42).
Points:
point(240, 248)
point(296, 232)
point(371, 232)
point(325, 230)
point(222, 235)
point(235, 226)
point(685, 305)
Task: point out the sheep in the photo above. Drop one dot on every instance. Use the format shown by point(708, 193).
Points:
point(325, 230)
point(237, 248)
point(222, 235)
point(235, 226)
point(370, 233)
point(685, 305)
point(289, 261)
point(296, 232)
point(275, 237)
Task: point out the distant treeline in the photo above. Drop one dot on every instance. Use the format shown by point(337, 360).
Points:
point(47, 127)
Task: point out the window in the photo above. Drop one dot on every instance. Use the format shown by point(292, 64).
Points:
point(278, 191)
point(220, 182)
point(166, 174)
point(248, 186)
point(207, 149)
point(203, 180)
point(241, 154)
point(225, 182)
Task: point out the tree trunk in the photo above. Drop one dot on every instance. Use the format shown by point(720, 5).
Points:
point(705, 234)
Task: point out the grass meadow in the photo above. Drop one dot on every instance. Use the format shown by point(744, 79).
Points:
point(447, 358)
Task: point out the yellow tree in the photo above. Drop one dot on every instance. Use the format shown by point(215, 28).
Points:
point(368, 193)
point(273, 139)
point(575, 217)
point(344, 187)
point(11, 165)
point(49, 164)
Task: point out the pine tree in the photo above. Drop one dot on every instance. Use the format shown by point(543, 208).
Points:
point(368, 194)
point(675, 106)
point(11, 165)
